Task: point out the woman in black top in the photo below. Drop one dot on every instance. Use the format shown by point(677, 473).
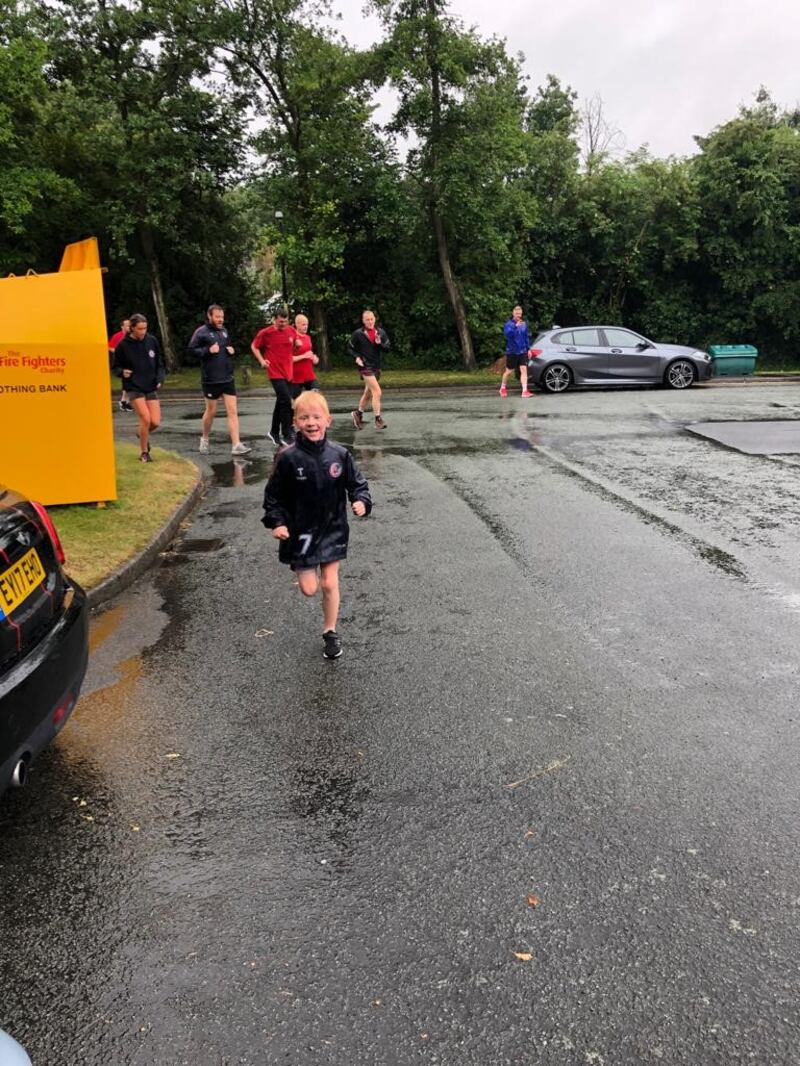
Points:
point(140, 364)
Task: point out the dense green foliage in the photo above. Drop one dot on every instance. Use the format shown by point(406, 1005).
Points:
point(175, 129)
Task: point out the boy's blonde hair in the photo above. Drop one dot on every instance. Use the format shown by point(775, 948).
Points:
point(311, 398)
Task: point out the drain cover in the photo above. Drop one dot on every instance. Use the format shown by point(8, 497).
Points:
point(753, 438)
point(185, 547)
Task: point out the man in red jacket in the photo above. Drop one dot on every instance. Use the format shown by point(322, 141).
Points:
point(274, 349)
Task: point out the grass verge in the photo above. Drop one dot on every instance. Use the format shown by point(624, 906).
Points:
point(188, 379)
point(97, 540)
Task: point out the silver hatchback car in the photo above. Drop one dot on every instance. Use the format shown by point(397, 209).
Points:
point(611, 355)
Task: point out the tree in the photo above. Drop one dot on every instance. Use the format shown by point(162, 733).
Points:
point(748, 177)
point(151, 137)
point(461, 103)
point(31, 115)
point(551, 184)
point(317, 142)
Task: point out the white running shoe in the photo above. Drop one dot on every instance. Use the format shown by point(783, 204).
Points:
point(240, 449)
point(204, 445)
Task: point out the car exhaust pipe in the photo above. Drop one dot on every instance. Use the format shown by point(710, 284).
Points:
point(20, 774)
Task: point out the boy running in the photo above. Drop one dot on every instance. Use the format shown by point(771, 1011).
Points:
point(305, 506)
point(304, 359)
point(211, 344)
point(366, 346)
point(517, 345)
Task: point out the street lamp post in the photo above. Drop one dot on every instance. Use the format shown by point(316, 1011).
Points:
point(279, 220)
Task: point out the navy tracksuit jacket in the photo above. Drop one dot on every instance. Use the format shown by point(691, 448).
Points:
point(308, 493)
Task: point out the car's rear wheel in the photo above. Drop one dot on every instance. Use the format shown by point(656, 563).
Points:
point(680, 374)
point(556, 378)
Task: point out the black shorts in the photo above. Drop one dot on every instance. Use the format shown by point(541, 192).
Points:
point(216, 389)
point(369, 372)
point(137, 394)
point(304, 386)
point(516, 362)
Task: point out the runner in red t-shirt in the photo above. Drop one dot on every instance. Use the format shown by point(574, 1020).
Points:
point(304, 359)
point(113, 341)
point(273, 347)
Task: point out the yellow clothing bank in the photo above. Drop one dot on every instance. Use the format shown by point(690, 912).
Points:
point(56, 431)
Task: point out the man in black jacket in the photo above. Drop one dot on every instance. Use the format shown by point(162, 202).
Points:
point(367, 346)
point(140, 364)
point(211, 344)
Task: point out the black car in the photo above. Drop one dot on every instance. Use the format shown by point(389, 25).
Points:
point(44, 636)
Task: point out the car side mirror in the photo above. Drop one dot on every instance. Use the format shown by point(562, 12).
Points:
point(642, 345)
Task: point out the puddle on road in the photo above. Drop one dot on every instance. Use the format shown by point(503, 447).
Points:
point(230, 510)
point(200, 547)
point(170, 559)
point(237, 473)
point(104, 624)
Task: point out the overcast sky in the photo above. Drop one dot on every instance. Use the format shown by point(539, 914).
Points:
point(666, 69)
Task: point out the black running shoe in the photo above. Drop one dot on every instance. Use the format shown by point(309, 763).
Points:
point(358, 418)
point(145, 457)
point(379, 423)
point(333, 644)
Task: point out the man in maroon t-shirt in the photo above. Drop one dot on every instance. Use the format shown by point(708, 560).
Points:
point(273, 347)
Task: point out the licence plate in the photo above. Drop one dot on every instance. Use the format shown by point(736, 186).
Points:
point(19, 581)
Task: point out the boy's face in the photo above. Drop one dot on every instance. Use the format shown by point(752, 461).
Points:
point(312, 422)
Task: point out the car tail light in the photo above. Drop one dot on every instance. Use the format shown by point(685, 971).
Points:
point(63, 709)
point(534, 352)
point(47, 522)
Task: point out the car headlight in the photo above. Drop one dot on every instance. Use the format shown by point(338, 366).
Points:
point(702, 355)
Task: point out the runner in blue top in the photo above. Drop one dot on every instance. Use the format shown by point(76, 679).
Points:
point(517, 345)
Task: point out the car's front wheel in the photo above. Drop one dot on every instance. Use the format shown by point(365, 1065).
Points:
point(556, 378)
point(680, 374)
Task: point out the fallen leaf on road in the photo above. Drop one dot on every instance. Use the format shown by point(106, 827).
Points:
point(135, 828)
point(523, 956)
point(173, 755)
point(533, 901)
point(265, 633)
point(530, 834)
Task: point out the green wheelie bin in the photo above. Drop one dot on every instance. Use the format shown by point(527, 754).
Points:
point(733, 360)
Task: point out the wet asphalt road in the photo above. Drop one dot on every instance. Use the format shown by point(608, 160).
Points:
point(543, 811)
